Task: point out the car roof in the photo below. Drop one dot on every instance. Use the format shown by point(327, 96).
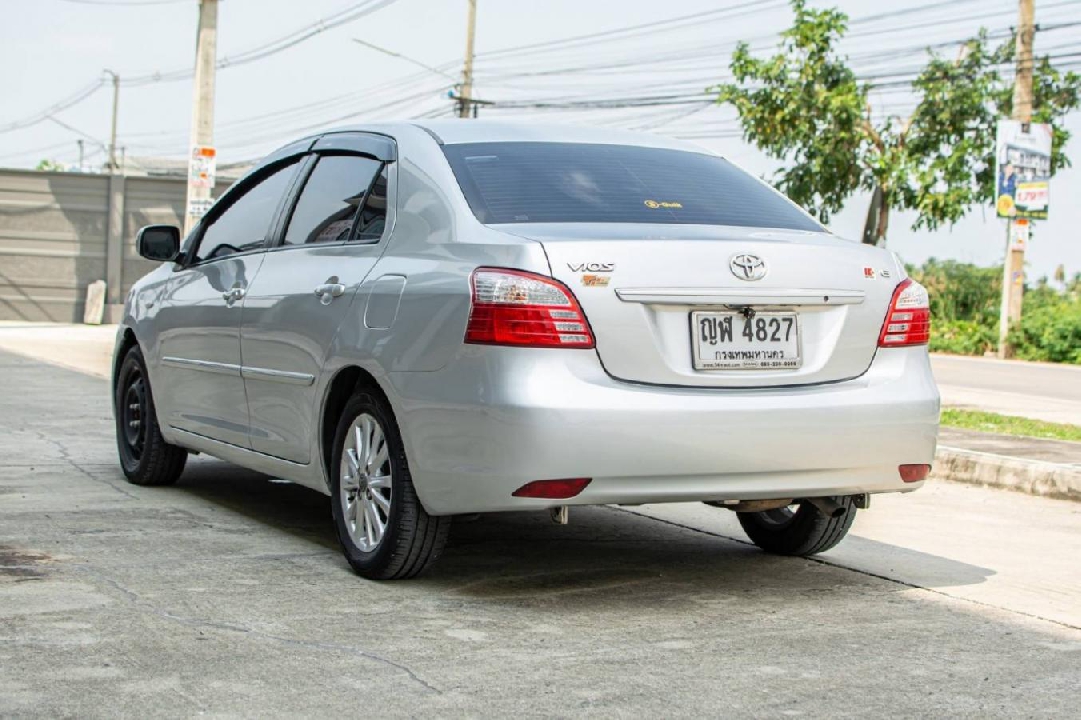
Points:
point(455, 131)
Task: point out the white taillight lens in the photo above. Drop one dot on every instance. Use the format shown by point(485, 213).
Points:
point(513, 307)
point(908, 321)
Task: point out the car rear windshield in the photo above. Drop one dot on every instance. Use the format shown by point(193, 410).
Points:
point(549, 182)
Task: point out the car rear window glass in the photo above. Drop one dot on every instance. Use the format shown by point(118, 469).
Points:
point(548, 182)
point(333, 194)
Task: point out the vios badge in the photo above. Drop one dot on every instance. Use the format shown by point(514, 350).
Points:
point(747, 267)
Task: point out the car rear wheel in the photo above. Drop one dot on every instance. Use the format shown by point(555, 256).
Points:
point(144, 455)
point(384, 531)
point(799, 529)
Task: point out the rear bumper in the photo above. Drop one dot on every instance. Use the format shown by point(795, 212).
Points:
point(497, 418)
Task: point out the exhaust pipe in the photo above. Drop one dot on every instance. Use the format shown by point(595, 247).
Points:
point(827, 506)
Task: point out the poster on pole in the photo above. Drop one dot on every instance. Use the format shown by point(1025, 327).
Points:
point(197, 207)
point(1022, 170)
point(202, 167)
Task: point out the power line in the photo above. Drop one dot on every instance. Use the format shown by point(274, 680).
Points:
point(292, 39)
point(121, 3)
point(60, 106)
point(605, 102)
point(347, 15)
point(652, 28)
point(408, 59)
point(76, 130)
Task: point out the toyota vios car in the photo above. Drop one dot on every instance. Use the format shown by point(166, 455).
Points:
point(431, 319)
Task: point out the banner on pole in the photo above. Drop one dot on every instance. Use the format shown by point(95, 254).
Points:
point(1022, 170)
point(202, 167)
point(197, 207)
point(1019, 234)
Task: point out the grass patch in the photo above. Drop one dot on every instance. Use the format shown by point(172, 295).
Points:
point(1009, 424)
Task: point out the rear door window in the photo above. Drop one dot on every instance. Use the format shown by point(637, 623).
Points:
point(373, 216)
point(334, 194)
point(547, 182)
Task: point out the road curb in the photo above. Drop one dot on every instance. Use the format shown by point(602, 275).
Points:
point(1034, 477)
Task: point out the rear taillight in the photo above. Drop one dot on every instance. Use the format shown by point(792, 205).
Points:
point(908, 321)
point(512, 307)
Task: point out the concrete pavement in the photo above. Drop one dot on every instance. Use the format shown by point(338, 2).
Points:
point(226, 596)
point(86, 348)
point(1042, 391)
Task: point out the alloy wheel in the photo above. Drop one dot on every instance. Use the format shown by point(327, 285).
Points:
point(365, 482)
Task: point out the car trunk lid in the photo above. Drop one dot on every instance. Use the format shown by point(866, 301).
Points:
point(668, 304)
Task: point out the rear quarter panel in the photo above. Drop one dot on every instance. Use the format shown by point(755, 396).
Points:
point(435, 246)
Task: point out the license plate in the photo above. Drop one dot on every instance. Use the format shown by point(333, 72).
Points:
point(732, 341)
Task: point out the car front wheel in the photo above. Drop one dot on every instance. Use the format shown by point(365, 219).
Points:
point(144, 455)
point(384, 531)
point(799, 529)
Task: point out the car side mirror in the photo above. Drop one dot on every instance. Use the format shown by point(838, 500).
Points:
point(158, 242)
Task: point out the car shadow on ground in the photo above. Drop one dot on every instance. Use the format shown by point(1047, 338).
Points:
point(619, 553)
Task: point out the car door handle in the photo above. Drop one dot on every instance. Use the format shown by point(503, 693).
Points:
point(233, 294)
point(329, 290)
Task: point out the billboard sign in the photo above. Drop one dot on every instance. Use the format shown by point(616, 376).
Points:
point(1022, 170)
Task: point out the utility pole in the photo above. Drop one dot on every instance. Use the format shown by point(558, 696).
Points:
point(202, 158)
point(82, 153)
point(1013, 272)
point(112, 131)
point(465, 99)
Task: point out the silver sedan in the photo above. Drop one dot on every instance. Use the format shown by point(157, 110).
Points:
point(431, 319)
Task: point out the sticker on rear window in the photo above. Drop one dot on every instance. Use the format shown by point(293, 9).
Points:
point(662, 204)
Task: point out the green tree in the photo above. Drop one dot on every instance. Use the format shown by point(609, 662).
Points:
point(48, 165)
point(805, 107)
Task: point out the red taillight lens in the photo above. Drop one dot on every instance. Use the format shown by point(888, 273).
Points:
point(512, 307)
point(553, 489)
point(908, 321)
point(913, 473)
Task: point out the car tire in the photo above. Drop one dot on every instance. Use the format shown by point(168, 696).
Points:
point(145, 457)
point(384, 531)
point(805, 531)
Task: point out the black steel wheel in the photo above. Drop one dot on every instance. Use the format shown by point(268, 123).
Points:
point(145, 457)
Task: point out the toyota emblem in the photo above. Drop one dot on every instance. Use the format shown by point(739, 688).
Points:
point(747, 267)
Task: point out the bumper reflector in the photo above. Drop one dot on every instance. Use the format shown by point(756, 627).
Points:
point(914, 473)
point(553, 489)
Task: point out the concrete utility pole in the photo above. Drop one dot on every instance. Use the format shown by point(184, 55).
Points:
point(1013, 272)
point(112, 131)
point(202, 116)
point(465, 99)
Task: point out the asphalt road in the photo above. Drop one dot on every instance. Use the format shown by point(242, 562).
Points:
point(1038, 390)
point(226, 596)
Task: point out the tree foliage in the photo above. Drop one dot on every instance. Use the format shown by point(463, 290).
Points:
point(964, 312)
point(805, 107)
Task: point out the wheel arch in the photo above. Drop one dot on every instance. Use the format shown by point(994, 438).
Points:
point(342, 386)
point(125, 342)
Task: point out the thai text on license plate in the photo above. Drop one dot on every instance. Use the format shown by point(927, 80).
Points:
point(734, 341)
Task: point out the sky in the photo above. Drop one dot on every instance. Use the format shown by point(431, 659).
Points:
point(657, 56)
